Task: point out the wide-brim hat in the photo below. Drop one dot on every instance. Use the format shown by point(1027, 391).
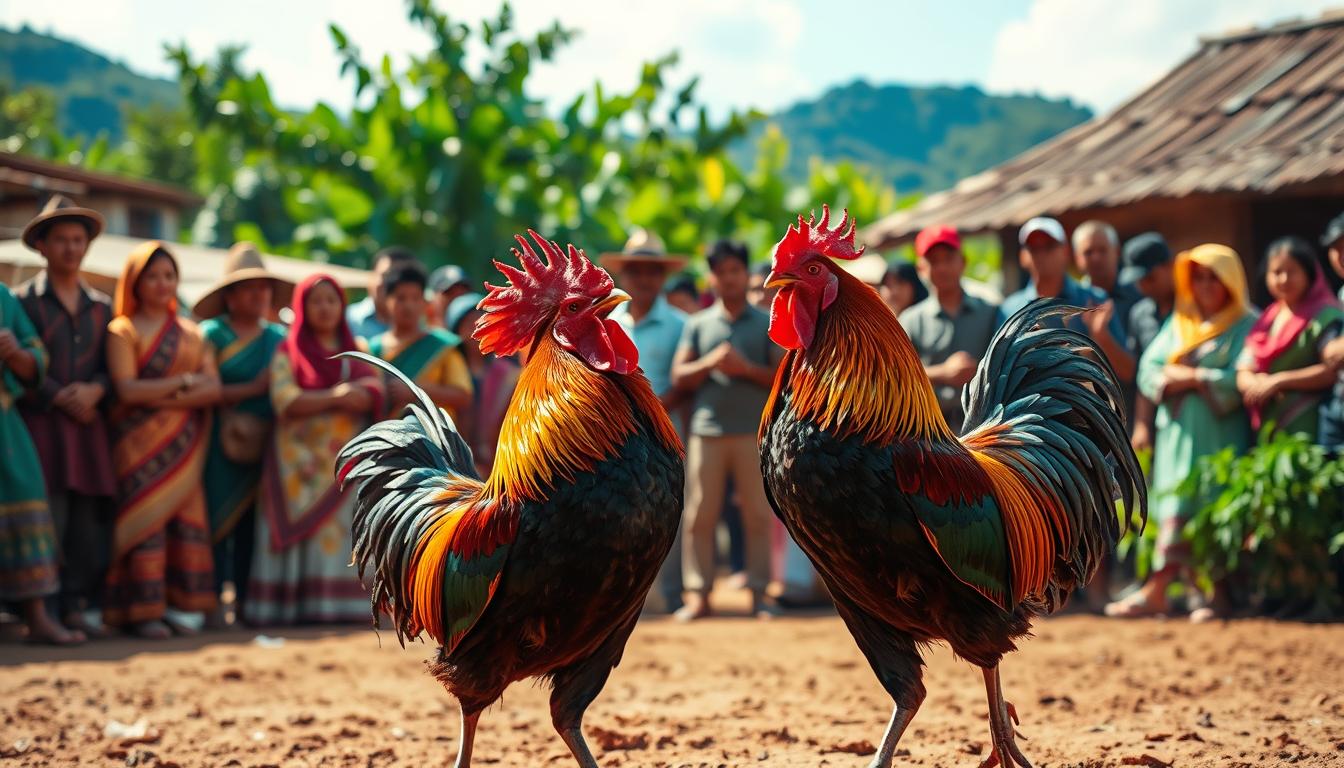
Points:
point(61, 208)
point(242, 264)
point(643, 247)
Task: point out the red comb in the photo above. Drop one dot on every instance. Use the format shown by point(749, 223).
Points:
point(513, 311)
point(813, 236)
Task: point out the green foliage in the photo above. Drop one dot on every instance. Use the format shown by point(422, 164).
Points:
point(1275, 514)
point(28, 123)
point(452, 155)
point(451, 158)
point(90, 95)
point(919, 138)
point(1138, 541)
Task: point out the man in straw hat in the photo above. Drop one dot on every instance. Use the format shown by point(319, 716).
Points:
point(641, 269)
point(236, 328)
point(64, 414)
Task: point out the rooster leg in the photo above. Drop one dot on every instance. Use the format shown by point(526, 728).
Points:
point(1002, 717)
point(577, 685)
point(895, 660)
point(574, 740)
point(468, 738)
point(900, 718)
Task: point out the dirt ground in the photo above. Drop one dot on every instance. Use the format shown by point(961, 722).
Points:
point(724, 692)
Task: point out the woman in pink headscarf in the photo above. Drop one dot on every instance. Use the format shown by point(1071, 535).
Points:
point(1281, 374)
point(300, 569)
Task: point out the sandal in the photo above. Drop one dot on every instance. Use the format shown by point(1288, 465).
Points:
point(76, 621)
point(1137, 606)
point(180, 629)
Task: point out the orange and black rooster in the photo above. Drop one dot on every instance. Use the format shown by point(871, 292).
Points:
point(922, 535)
point(541, 569)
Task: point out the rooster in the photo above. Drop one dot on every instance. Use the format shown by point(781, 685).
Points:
point(921, 535)
point(541, 569)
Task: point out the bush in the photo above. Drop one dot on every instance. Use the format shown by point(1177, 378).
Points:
point(1275, 518)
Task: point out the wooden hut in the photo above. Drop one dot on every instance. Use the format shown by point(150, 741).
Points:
point(1241, 143)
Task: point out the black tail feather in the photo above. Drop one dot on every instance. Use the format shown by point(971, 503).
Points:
point(410, 471)
point(1058, 397)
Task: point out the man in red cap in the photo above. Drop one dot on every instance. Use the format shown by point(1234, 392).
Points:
point(950, 329)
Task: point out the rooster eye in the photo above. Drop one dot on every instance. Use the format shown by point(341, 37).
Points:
point(573, 307)
point(814, 269)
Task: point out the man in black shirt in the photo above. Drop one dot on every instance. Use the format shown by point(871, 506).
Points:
point(1148, 266)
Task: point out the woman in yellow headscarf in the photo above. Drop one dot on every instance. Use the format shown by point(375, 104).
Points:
point(1190, 372)
point(164, 378)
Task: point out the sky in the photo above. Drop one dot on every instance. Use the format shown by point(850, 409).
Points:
point(749, 53)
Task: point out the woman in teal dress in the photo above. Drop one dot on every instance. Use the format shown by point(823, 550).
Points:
point(28, 559)
point(244, 341)
point(1190, 372)
point(1282, 374)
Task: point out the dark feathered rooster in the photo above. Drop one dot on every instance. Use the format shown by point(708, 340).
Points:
point(541, 569)
point(922, 536)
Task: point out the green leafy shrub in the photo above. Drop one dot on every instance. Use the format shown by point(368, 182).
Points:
point(1275, 517)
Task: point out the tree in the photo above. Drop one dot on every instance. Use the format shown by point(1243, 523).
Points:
point(452, 159)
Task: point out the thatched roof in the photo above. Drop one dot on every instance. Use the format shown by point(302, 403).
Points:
point(1252, 112)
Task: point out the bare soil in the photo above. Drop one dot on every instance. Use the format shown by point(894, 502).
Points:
point(721, 692)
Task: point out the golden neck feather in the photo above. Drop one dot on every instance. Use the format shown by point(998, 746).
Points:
point(564, 418)
point(861, 375)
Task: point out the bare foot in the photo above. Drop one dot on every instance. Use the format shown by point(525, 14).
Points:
point(52, 633)
point(44, 630)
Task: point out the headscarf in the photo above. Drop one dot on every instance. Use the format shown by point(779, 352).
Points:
point(1266, 345)
point(1192, 329)
point(125, 303)
point(313, 364)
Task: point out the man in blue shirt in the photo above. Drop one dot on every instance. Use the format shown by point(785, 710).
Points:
point(641, 269)
point(368, 317)
point(1096, 245)
point(1045, 253)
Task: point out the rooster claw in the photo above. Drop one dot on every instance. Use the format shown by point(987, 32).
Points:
point(1015, 757)
point(1012, 715)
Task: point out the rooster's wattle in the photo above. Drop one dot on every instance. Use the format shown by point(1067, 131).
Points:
point(541, 569)
point(919, 534)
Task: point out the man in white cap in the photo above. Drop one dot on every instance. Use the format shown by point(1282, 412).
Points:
point(1045, 253)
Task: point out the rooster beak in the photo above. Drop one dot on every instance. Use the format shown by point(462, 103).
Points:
point(613, 300)
point(775, 280)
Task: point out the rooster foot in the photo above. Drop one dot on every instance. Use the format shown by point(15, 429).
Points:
point(1002, 719)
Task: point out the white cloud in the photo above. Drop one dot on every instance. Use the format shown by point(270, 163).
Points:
point(725, 42)
point(1101, 53)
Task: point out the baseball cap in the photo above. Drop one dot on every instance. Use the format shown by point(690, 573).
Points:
point(1045, 225)
point(446, 277)
point(938, 234)
point(1333, 231)
point(1140, 255)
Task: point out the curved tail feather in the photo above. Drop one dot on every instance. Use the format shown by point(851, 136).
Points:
point(414, 475)
point(1044, 417)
